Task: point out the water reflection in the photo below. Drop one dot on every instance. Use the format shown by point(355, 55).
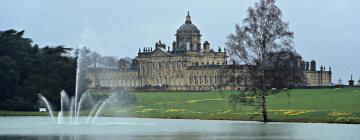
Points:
point(106, 137)
point(33, 128)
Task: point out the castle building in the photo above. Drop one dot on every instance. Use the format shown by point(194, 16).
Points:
point(316, 77)
point(188, 65)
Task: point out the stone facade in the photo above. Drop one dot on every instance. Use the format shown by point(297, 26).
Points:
point(189, 65)
point(316, 77)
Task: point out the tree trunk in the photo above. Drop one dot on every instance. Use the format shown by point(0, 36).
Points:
point(264, 110)
point(263, 99)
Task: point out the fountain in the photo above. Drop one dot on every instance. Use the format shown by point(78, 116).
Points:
point(74, 113)
point(74, 104)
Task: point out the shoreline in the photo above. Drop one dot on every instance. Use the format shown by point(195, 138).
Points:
point(45, 114)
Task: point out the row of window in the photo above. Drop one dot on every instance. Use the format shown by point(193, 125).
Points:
point(116, 76)
point(162, 66)
point(174, 65)
point(193, 80)
point(207, 63)
point(205, 80)
point(116, 83)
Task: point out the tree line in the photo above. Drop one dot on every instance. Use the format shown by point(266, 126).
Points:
point(27, 70)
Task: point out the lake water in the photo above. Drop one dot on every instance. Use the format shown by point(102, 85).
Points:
point(109, 128)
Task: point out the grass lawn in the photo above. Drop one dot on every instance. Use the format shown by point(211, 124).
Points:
point(340, 105)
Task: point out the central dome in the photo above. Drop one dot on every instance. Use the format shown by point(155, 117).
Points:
point(188, 27)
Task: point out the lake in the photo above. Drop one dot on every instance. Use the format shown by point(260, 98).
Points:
point(112, 128)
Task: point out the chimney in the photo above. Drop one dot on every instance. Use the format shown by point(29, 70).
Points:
point(312, 65)
point(302, 65)
point(174, 45)
point(307, 66)
point(206, 46)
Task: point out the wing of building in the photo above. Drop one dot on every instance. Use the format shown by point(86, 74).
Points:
point(188, 65)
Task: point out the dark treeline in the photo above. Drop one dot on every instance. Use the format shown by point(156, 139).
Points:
point(27, 70)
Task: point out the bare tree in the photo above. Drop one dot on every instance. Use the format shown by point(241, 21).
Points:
point(109, 61)
point(257, 44)
point(94, 58)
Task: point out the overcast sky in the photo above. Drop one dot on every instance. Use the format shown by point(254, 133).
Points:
point(325, 30)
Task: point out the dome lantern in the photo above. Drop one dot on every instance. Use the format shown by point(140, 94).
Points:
point(188, 27)
point(188, 18)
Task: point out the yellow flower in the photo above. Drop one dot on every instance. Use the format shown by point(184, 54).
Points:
point(294, 113)
point(338, 114)
point(145, 110)
point(297, 112)
point(193, 101)
point(280, 110)
point(226, 111)
point(175, 110)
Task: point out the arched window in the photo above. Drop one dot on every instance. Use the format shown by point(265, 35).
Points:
point(190, 79)
point(215, 80)
point(195, 80)
point(205, 79)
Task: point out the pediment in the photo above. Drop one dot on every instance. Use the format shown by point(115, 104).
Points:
point(159, 53)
